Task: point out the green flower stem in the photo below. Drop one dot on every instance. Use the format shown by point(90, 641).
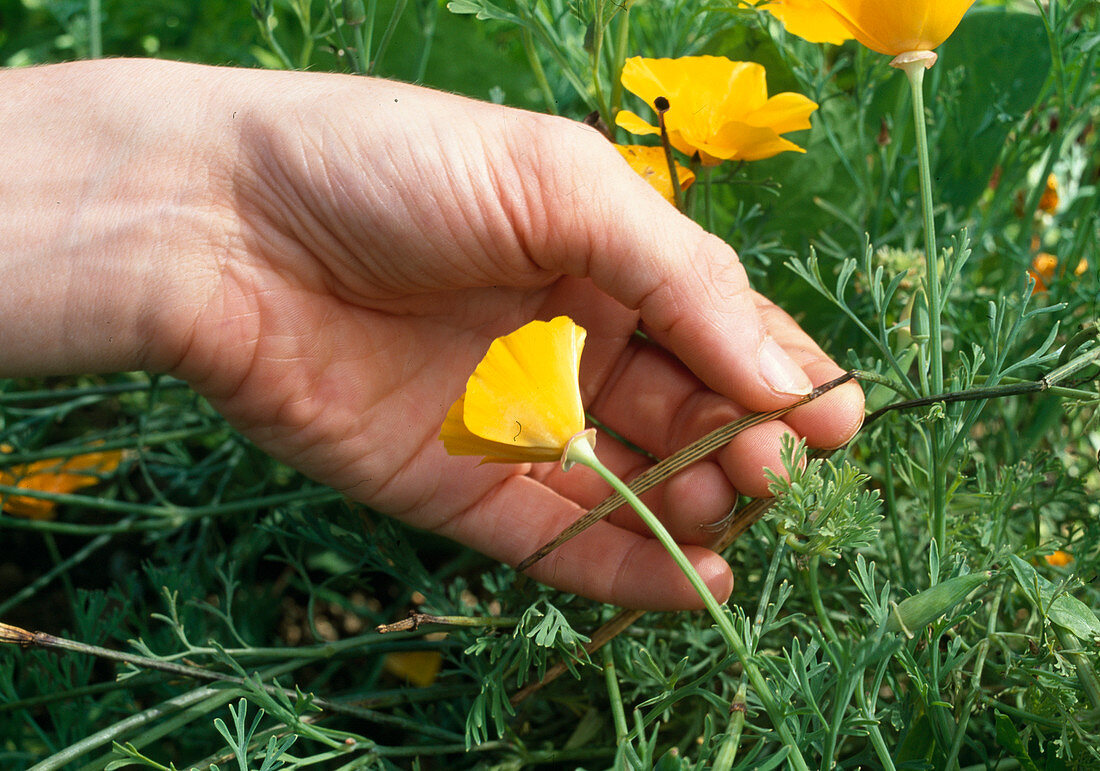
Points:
point(582, 452)
point(599, 27)
point(396, 15)
point(196, 703)
point(95, 30)
point(614, 696)
point(727, 751)
point(877, 742)
point(414, 621)
point(819, 607)
point(708, 205)
point(618, 58)
point(532, 53)
point(914, 70)
point(976, 683)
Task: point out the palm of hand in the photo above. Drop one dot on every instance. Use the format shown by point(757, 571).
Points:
point(340, 326)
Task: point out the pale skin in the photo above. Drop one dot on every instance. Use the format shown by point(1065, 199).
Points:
point(326, 259)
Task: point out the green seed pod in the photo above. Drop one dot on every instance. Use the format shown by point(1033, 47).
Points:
point(923, 608)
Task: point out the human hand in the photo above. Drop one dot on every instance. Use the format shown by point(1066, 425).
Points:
point(326, 258)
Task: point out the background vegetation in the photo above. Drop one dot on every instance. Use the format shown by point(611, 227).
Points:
point(247, 597)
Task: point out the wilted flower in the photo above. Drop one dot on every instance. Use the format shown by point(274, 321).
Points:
point(651, 164)
point(811, 20)
point(523, 402)
point(53, 475)
point(717, 107)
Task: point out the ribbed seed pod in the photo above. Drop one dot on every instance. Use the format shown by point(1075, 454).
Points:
point(923, 608)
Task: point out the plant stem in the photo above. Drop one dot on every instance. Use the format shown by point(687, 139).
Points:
point(614, 696)
point(384, 43)
point(95, 30)
point(727, 752)
point(914, 71)
point(599, 27)
point(618, 58)
point(819, 607)
point(582, 452)
point(661, 105)
point(551, 103)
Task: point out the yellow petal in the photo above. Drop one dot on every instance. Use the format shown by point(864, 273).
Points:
point(420, 668)
point(895, 27)
point(459, 440)
point(650, 163)
point(748, 143)
point(635, 125)
point(784, 112)
point(811, 20)
point(523, 402)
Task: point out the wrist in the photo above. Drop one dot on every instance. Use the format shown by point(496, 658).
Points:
point(106, 171)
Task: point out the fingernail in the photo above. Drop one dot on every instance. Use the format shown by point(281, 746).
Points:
point(780, 371)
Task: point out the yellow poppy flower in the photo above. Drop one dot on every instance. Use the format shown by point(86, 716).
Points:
point(894, 27)
point(53, 475)
point(811, 20)
point(717, 107)
point(523, 402)
point(652, 166)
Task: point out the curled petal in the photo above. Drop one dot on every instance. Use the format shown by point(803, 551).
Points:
point(523, 402)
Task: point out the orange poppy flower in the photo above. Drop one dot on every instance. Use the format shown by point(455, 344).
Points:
point(53, 475)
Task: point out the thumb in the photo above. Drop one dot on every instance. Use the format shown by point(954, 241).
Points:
point(693, 293)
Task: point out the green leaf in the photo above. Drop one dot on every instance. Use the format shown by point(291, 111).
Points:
point(483, 10)
point(1061, 609)
point(1010, 740)
point(1074, 616)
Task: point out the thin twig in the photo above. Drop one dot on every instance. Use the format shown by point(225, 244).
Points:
point(675, 463)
